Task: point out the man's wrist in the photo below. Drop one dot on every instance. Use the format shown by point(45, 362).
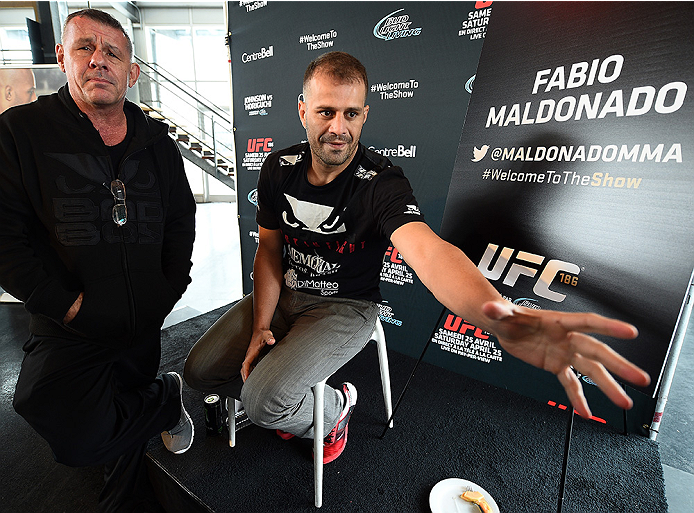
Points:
point(72, 312)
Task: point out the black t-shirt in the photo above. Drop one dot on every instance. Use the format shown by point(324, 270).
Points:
point(335, 235)
point(117, 151)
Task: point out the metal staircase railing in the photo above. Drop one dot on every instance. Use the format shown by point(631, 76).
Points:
point(203, 131)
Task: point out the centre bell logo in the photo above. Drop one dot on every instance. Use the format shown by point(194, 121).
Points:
point(395, 27)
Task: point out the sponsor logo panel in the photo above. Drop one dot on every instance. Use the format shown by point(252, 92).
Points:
point(257, 104)
point(252, 5)
point(396, 90)
point(396, 25)
point(394, 269)
point(322, 41)
point(386, 314)
point(639, 153)
point(263, 53)
point(253, 197)
point(599, 102)
point(525, 266)
point(256, 151)
point(470, 83)
point(457, 336)
point(408, 152)
point(475, 26)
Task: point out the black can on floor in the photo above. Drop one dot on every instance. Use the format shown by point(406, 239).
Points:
point(214, 422)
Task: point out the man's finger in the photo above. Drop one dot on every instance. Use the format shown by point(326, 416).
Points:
point(604, 380)
point(592, 349)
point(574, 391)
point(581, 322)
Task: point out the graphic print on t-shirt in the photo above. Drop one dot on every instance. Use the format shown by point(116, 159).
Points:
point(312, 217)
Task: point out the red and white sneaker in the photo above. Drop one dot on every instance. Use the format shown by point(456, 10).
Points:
point(284, 435)
point(335, 442)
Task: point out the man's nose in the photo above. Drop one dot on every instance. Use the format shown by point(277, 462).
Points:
point(98, 59)
point(338, 125)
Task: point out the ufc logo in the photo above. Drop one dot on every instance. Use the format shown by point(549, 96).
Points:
point(393, 255)
point(518, 268)
point(257, 145)
point(455, 323)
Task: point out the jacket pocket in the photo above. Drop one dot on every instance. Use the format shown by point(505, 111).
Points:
point(154, 299)
point(105, 314)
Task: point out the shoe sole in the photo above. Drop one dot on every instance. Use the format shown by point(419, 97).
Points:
point(333, 457)
point(185, 412)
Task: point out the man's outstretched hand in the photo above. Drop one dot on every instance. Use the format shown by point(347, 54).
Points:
point(556, 341)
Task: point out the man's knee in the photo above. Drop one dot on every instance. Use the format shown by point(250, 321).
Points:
point(195, 373)
point(262, 401)
point(75, 439)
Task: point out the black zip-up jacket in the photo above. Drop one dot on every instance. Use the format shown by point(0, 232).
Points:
point(57, 236)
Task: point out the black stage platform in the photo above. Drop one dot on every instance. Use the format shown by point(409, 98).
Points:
point(447, 426)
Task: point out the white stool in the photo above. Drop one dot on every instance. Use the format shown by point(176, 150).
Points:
point(318, 431)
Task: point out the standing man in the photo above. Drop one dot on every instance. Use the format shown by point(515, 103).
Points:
point(98, 222)
point(327, 210)
point(17, 87)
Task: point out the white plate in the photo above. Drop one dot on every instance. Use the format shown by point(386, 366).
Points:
point(445, 497)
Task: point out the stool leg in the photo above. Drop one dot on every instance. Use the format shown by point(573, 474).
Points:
point(231, 419)
point(380, 338)
point(318, 390)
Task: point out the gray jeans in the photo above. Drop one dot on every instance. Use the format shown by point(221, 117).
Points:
point(315, 337)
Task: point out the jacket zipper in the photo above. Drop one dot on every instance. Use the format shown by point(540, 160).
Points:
point(124, 257)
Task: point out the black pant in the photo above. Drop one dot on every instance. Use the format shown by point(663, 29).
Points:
point(98, 406)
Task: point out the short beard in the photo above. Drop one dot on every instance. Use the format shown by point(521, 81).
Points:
point(328, 157)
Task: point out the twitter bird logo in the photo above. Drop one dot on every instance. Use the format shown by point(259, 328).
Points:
point(479, 153)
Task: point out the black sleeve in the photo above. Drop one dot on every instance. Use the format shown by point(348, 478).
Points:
point(265, 214)
point(393, 202)
point(23, 273)
point(179, 228)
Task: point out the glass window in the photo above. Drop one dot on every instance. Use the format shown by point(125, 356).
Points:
point(14, 45)
point(172, 49)
point(211, 58)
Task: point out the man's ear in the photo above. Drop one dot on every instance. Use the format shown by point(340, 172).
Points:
point(302, 111)
point(134, 74)
point(60, 55)
point(7, 93)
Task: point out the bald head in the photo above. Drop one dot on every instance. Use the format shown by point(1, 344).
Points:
point(17, 86)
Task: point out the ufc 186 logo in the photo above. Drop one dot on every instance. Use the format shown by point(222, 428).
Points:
point(258, 145)
point(529, 264)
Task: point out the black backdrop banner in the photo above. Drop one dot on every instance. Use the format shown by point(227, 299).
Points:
point(573, 185)
point(421, 59)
